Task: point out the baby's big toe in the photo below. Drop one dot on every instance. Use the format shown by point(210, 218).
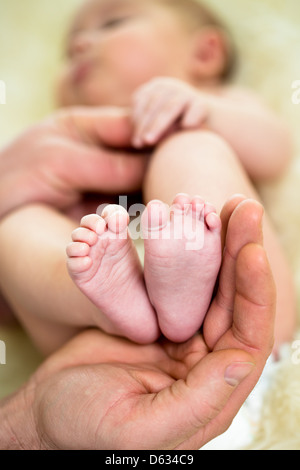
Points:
point(155, 217)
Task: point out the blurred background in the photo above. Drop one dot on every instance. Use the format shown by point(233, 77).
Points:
point(267, 36)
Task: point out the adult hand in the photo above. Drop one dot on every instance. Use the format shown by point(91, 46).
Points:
point(76, 150)
point(101, 392)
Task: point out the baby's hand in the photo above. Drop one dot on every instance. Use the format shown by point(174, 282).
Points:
point(162, 104)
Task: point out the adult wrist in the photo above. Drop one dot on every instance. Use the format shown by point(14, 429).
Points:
point(17, 425)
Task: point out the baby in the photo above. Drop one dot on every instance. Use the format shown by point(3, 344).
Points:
point(166, 62)
point(157, 72)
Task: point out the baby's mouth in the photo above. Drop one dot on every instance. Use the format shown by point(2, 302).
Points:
point(80, 72)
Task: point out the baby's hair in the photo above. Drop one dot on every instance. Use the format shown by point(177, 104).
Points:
point(196, 16)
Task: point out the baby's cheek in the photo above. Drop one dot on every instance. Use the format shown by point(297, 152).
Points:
point(64, 93)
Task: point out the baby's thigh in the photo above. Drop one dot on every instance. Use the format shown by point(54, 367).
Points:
point(197, 162)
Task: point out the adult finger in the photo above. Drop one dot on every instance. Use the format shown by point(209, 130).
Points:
point(251, 334)
point(81, 167)
point(244, 226)
point(254, 304)
point(110, 126)
point(227, 212)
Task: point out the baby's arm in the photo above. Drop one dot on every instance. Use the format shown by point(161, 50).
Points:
point(258, 136)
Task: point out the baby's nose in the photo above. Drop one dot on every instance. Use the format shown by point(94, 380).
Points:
point(80, 44)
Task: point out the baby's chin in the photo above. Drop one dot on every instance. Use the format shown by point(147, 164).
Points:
point(67, 95)
point(62, 95)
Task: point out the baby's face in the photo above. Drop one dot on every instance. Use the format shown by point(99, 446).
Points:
point(117, 45)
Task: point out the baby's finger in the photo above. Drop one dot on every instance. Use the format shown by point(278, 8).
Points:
point(195, 116)
point(162, 122)
point(145, 113)
point(144, 98)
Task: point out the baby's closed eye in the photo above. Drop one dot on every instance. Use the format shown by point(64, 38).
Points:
point(114, 22)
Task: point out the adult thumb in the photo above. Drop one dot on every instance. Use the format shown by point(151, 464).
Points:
point(200, 408)
point(107, 125)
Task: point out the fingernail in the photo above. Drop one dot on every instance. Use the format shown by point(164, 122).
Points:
point(237, 372)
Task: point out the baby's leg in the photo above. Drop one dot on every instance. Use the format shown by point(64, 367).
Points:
point(33, 275)
point(199, 162)
point(182, 260)
point(104, 264)
point(35, 281)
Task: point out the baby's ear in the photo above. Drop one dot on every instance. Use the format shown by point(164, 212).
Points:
point(209, 54)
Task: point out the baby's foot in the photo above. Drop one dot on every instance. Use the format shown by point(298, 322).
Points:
point(104, 264)
point(182, 261)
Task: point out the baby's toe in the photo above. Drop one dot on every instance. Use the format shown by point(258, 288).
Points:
point(182, 202)
point(94, 223)
point(78, 265)
point(212, 219)
point(155, 217)
point(77, 249)
point(84, 235)
point(213, 222)
point(198, 205)
point(116, 218)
